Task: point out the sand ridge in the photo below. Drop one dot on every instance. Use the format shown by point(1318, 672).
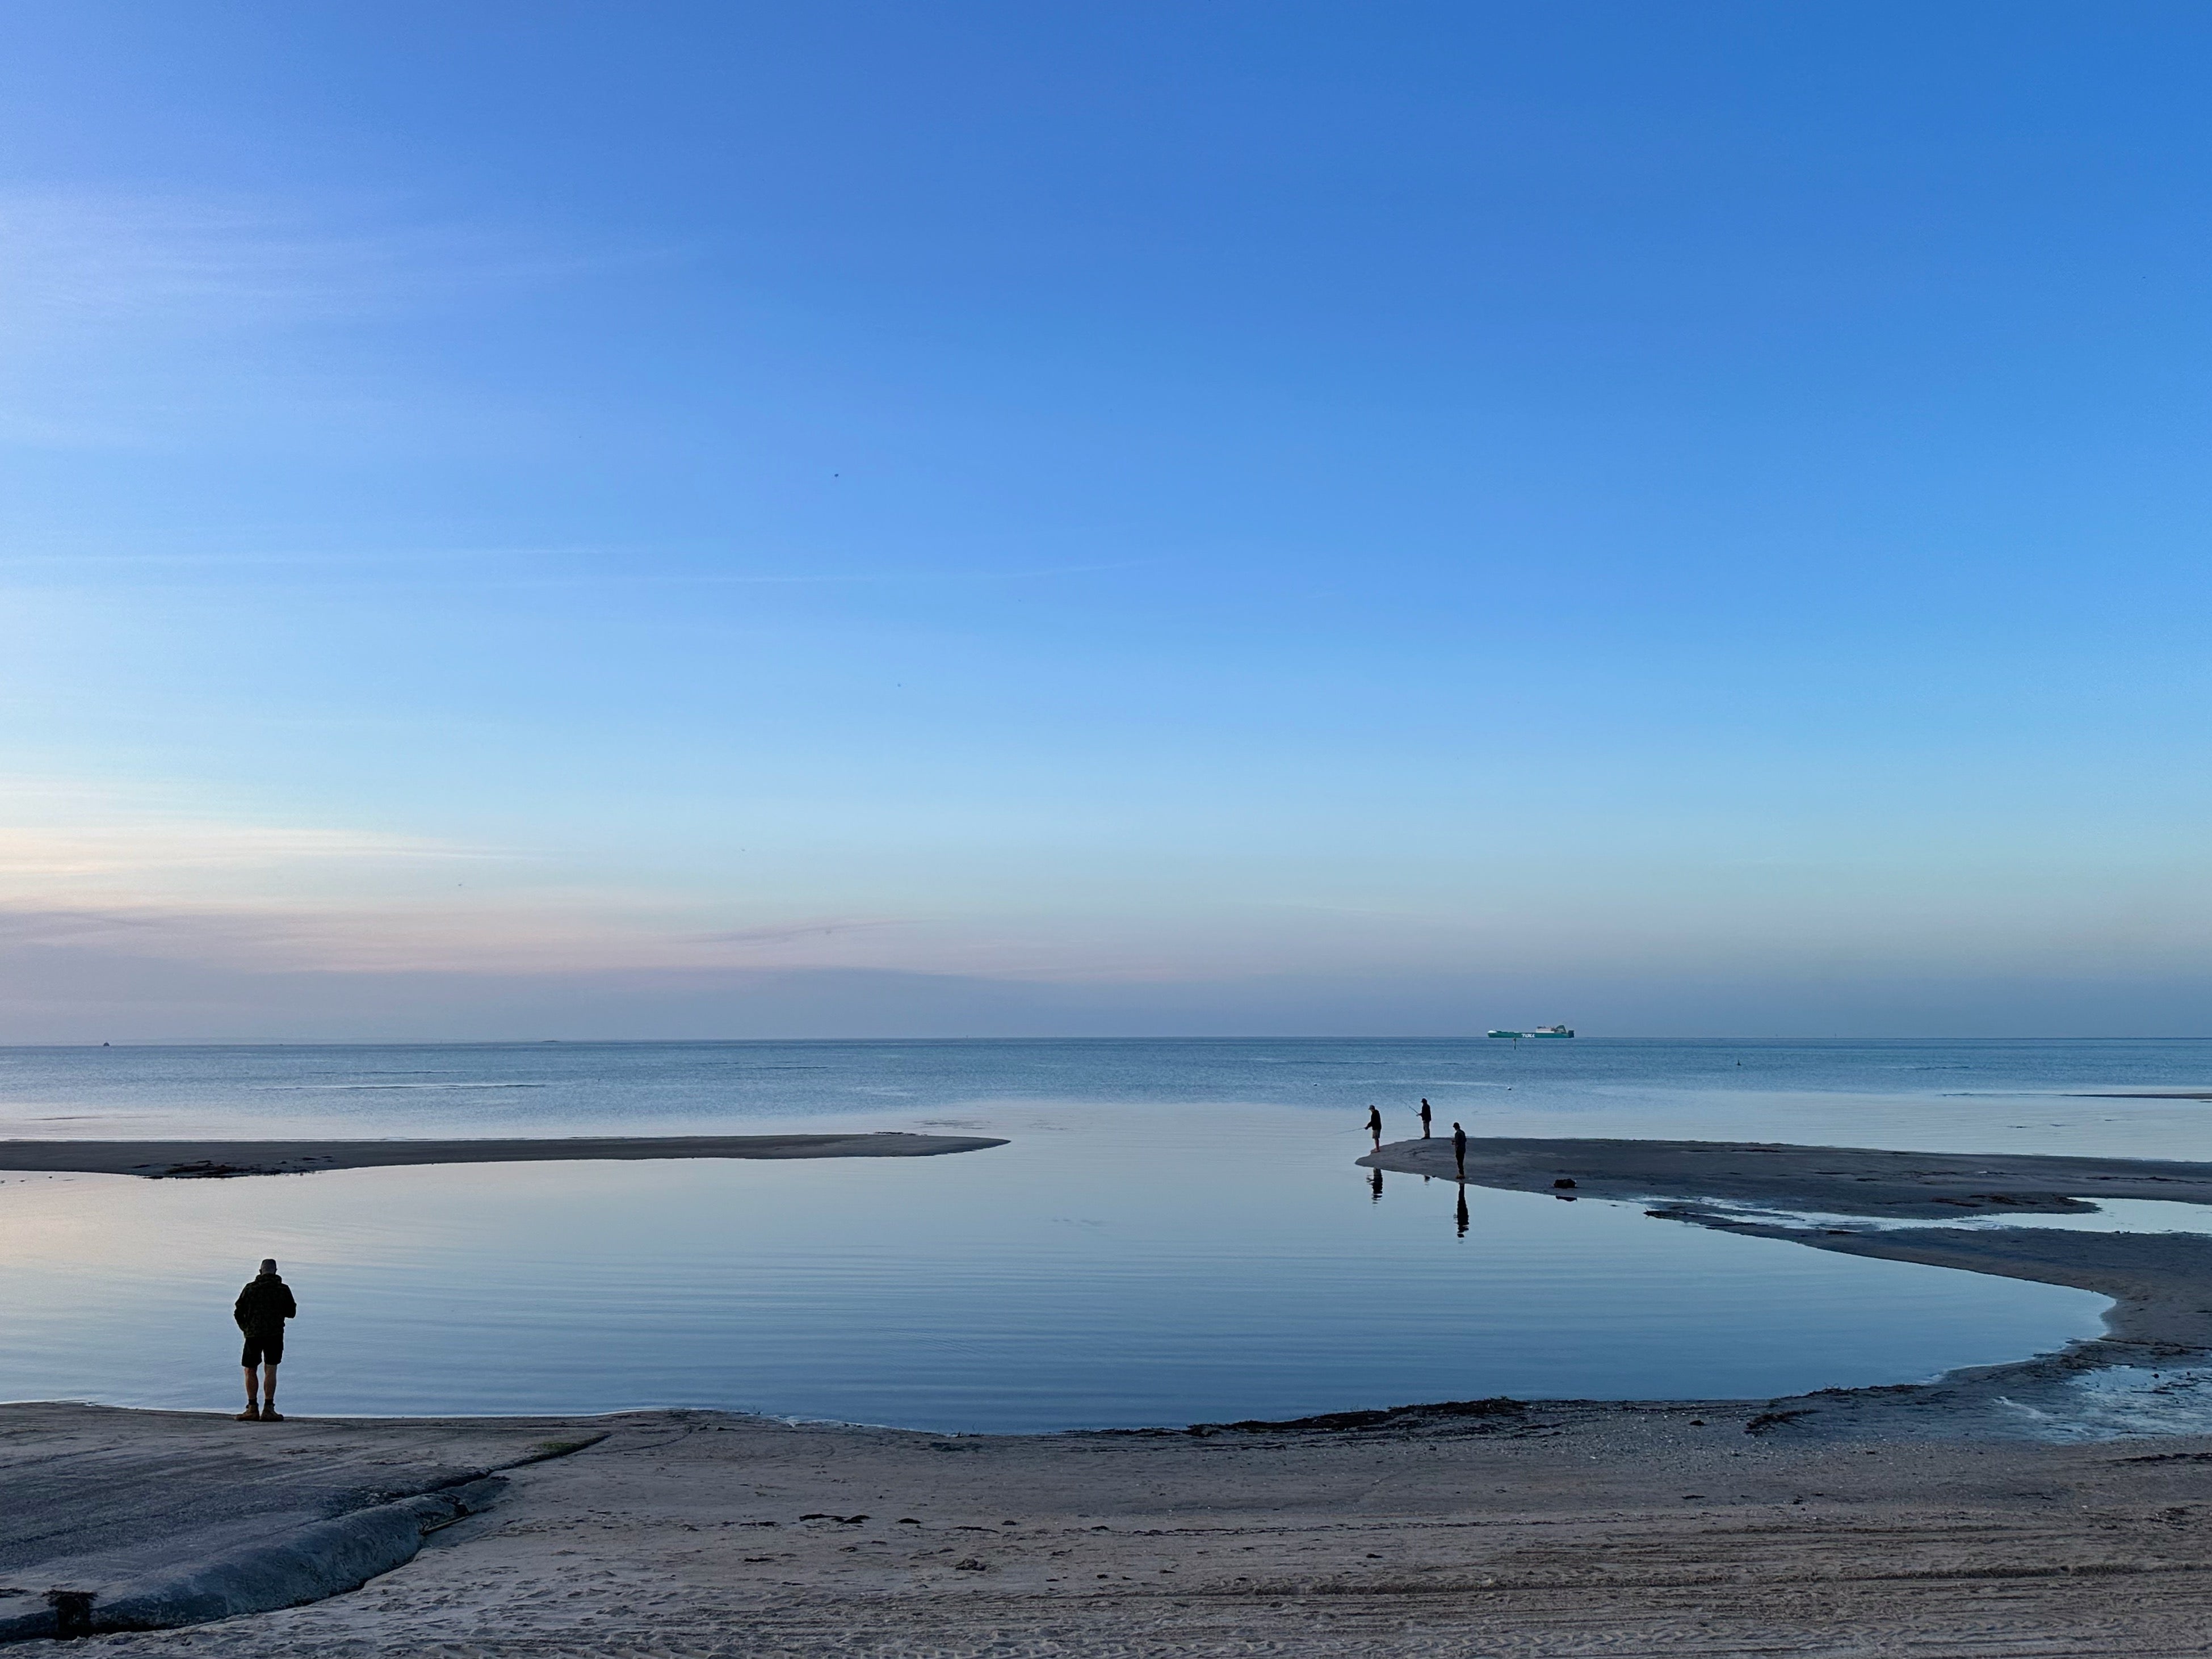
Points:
point(1835, 1180)
point(218, 1159)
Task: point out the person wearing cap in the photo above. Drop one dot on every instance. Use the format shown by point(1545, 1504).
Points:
point(261, 1311)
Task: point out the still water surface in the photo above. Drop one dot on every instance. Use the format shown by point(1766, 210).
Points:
point(1176, 1232)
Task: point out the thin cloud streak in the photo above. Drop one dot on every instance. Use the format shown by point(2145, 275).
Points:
point(166, 321)
point(141, 849)
point(781, 933)
point(622, 569)
point(74, 260)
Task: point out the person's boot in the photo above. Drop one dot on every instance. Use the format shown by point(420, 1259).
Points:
point(270, 1414)
point(251, 1413)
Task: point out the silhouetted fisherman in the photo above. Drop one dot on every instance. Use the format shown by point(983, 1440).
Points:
point(1424, 1119)
point(1375, 1126)
point(1459, 1149)
point(261, 1309)
point(1462, 1209)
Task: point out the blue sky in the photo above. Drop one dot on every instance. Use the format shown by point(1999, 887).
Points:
point(563, 520)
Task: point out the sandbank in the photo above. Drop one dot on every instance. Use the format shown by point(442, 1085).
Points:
point(214, 1160)
point(1831, 1180)
point(2161, 1284)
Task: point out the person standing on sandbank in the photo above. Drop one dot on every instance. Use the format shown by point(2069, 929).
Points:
point(1459, 1149)
point(261, 1309)
point(1425, 1117)
point(1375, 1126)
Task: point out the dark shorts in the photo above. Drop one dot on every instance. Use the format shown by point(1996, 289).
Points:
point(263, 1348)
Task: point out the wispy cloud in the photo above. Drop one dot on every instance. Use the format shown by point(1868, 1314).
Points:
point(536, 567)
point(127, 849)
point(34, 925)
point(78, 848)
point(781, 933)
point(149, 873)
point(74, 261)
point(134, 320)
point(552, 931)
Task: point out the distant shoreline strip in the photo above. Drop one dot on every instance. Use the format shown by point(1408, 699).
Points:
point(204, 1160)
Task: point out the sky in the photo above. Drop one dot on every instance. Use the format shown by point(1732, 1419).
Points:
point(562, 520)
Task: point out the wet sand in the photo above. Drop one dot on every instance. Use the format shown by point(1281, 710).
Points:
point(2144, 1094)
point(1834, 1179)
point(215, 1160)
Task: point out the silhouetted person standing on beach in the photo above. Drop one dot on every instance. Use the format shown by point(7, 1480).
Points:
point(1375, 1126)
point(1459, 1149)
point(261, 1311)
point(1424, 1119)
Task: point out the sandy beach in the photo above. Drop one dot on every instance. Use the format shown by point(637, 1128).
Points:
point(216, 1159)
point(1546, 1528)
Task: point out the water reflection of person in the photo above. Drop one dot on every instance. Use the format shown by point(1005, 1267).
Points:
point(1375, 1184)
point(1375, 1126)
point(1462, 1216)
point(1425, 1118)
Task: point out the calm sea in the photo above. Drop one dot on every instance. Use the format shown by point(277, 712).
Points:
point(1176, 1233)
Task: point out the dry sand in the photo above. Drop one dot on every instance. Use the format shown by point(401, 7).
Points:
point(207, 1160)
point(1547, 1530)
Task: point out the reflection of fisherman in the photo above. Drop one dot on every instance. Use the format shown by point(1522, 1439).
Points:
point(1462, 1209)
point(1375, 1126)
point(1375, 1184)
point(1424, 1119)
point(1459, 1149)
